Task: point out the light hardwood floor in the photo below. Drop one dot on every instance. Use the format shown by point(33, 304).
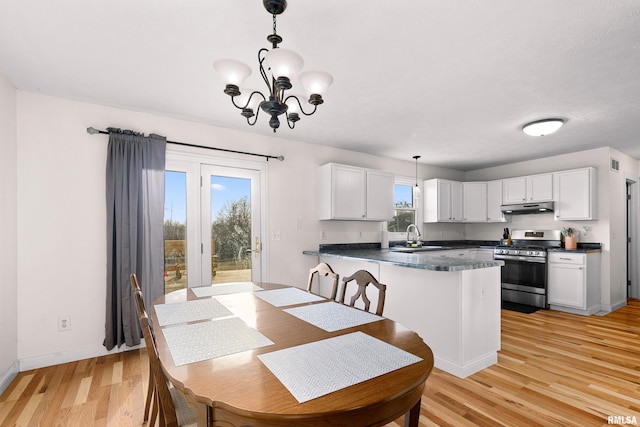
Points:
point(554, 369)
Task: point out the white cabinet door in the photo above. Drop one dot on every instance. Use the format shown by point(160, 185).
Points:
point(575, 194)
point(481, 254)
point(514, 190)
point(494, 201)
point(567, 285)
point(540, 188)
point(533, 188)
point(348, 190)
point(379, 195)
point(474, 201)
point(442, 200)
point(456, 201)
point(450, 253)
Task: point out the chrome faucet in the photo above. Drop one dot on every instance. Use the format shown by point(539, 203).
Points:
point(418, 235)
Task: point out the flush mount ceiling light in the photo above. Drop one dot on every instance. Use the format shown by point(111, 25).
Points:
point(283, 65)
point(542, 127)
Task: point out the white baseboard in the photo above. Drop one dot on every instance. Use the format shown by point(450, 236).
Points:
point(58, 358)
point(8, 376)
point(613, 307)
point(463, 371)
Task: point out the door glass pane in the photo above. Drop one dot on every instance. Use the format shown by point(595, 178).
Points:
point(230, 229)
point(175, 231)
point(405, 213)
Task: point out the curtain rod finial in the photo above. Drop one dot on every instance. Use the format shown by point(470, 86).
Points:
point(92, 130)
point(281, 158)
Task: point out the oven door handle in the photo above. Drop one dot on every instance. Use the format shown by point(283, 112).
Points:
point(539, 260)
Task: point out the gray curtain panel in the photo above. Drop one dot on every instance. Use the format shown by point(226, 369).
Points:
point(135, 229)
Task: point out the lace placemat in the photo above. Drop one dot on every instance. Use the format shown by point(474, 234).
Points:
point(207, 340)
point(225, 288)
point(189, 311)
point(288, 296)
point(312, 370)
point(333, 316)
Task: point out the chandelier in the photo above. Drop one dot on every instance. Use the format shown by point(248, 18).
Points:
point(283, 65)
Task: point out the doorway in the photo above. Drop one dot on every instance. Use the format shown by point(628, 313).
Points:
point(633, 254)
point(231, 228)
point(214, 220)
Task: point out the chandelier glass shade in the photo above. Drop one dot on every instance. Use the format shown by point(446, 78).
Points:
point(278, 67)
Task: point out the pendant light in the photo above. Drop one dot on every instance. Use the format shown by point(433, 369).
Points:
point(416, 189)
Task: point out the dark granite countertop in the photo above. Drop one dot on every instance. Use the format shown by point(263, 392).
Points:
point(421, 260)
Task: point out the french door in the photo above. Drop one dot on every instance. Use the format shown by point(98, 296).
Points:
point(214, 217)
point(230, 216)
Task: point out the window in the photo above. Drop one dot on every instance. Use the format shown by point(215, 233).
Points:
point(406, 210)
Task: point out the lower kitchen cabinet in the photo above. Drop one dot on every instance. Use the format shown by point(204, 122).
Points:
point(574, 282)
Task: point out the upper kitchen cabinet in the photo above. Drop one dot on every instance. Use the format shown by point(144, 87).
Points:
point(353, 193)
point(442, 201)
point(576, 194)
point(524, 189)
point(474, 202)
point(494, 200)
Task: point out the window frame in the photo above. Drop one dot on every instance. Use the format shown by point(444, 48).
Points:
point(402, 235)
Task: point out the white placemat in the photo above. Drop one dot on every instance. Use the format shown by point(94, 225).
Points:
point(189, 311)
point(312, 370)
point(225, 288)
point(333, 316)
point(288, 296)
point(207, 340)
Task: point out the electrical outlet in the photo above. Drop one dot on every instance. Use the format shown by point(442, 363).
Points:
point(64, 323)
point(323, 235)
point(276, 235)
point(360, 234)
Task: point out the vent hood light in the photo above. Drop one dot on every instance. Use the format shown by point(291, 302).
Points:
point(542, 127)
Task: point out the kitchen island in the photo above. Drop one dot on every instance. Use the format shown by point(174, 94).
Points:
point(452, 303)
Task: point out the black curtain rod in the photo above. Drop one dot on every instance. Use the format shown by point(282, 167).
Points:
point(93, 131)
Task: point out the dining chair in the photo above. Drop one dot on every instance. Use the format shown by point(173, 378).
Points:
point(173, 409)
point(151, 389)
point(324, 269)
point(363, 278)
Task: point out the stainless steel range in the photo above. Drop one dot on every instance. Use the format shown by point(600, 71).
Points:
point(524, 274)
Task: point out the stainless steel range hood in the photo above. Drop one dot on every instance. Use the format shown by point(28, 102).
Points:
point(527, 208)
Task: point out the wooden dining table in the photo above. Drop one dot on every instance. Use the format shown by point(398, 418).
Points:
point(240, 390)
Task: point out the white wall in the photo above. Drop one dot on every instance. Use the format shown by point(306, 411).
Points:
point(61, 245)
point(610, 227)
point(8, 220)
point(62, 227)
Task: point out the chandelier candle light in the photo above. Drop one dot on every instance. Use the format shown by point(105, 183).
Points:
point(284, 65)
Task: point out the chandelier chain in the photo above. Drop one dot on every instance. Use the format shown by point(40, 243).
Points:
point(274, 23)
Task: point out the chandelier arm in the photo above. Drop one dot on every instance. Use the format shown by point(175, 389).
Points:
point(315, 107)
point(263, 73)
point(248, 100)
point(255, 118)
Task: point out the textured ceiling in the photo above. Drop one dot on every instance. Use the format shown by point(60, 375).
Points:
point(452, 81)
